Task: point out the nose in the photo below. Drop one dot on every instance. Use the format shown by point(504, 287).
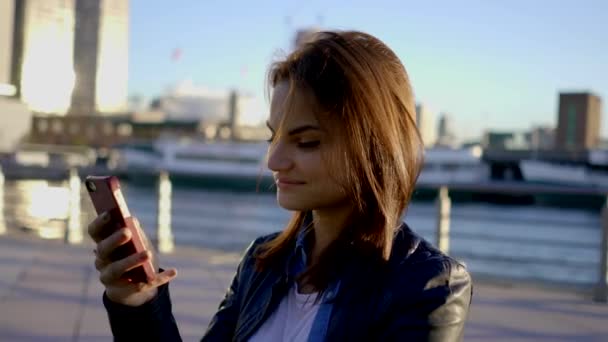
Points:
point(279, 158)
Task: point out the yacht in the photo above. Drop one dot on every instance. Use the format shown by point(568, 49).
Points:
point(593, 173)
point(451, 166)
point(213, 163)
point(235, 162)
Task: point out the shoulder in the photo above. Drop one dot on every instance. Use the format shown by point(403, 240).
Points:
point(259, 241)
point(419, 266)
point(248, 256)
point(429, 293)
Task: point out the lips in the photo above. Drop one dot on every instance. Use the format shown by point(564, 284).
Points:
point(288, 181)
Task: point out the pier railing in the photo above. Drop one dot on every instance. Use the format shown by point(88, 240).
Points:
point(164, 238)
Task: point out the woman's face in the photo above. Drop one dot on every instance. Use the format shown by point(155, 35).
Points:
point(304, 180)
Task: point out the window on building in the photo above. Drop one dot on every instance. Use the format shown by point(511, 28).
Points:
point(108, 129)
point(57, 126)
point(42, 125)
point(91, 131)
point(124, 129)
point(74, 128)
point(571, 126)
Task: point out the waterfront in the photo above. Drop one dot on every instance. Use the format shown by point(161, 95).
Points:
point(553, 245)
point(42, 278)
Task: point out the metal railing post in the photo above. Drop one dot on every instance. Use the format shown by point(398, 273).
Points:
point(74, 233)
point(2, 220)
point(601, 290)
point(444, 206)
point(164, 235)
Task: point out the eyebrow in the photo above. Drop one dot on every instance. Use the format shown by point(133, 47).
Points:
point(297, 129)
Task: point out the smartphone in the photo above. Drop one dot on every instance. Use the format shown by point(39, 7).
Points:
point(107, 196)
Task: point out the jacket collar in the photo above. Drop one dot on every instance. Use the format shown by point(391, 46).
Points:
point(297, 261)
point(405, 244)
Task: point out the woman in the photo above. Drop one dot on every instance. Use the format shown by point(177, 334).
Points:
point(345, 154)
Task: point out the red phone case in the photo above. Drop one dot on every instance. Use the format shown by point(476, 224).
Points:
point(107, 196)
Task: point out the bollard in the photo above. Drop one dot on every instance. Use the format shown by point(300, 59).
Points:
point(444, 205)
point(601, 291)
point(164, 235)
point(2, 221)
point(74, 231)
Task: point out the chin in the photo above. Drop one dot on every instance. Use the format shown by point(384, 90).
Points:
point(293, 203)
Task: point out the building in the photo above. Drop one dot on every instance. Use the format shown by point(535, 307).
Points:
point(579, 117)
point(304, 35)
point(86, 50)
point(446, 135)
point(425, 120)
point(7, 10)
point(15, 118)
point(541, 138)
point(493, 140)
point(15, 122)
point(222, 114)
point(187, 101)
point(196, 114)
point(107, 130)
point(43, 53)
point(69, 53)
point(100, 57)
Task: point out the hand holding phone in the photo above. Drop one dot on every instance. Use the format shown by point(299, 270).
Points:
point(123, 256)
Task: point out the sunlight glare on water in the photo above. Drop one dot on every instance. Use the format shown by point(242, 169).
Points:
point(48, 201)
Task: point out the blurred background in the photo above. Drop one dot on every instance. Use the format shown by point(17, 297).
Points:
point(171, 97)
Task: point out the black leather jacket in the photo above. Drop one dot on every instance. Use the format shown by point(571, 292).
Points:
point(423, 295)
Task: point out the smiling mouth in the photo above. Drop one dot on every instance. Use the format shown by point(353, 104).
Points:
point(287, 182)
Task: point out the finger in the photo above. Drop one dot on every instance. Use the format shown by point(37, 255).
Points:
point(101, 264)
point(114, 271)
point(108, 245)
point(96, 227)
point(163, 277)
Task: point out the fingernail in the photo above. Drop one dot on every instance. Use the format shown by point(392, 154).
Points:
point(126, 233)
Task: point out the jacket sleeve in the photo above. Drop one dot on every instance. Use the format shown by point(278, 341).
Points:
point(223, 324)
point(438, 311)
point(152, 321)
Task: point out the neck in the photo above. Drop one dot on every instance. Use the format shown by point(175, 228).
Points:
point(327, 224)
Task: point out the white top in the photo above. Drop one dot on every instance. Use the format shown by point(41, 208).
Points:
point(291, 321)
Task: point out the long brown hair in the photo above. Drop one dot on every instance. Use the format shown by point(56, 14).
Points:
point(361, 88)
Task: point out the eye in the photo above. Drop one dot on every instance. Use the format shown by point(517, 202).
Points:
point(309, 144)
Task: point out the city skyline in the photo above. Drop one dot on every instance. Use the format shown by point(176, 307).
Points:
point(492, 65)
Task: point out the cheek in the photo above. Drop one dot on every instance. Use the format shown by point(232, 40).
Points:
point(311, 165)
point(326, 178)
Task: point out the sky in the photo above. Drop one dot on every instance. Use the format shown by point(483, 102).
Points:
point(490, 64)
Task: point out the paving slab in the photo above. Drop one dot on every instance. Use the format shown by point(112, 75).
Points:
point(49, 291)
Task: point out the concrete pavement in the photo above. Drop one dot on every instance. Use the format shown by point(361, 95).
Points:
point(49, 291)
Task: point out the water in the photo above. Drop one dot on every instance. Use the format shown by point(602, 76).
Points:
point(527, 242)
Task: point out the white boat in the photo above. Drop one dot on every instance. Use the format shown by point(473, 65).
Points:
point(248, 160)
point(592, 174)
point(450, 166)
point(225, 159)
point(51, 162)
point(598, 158)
